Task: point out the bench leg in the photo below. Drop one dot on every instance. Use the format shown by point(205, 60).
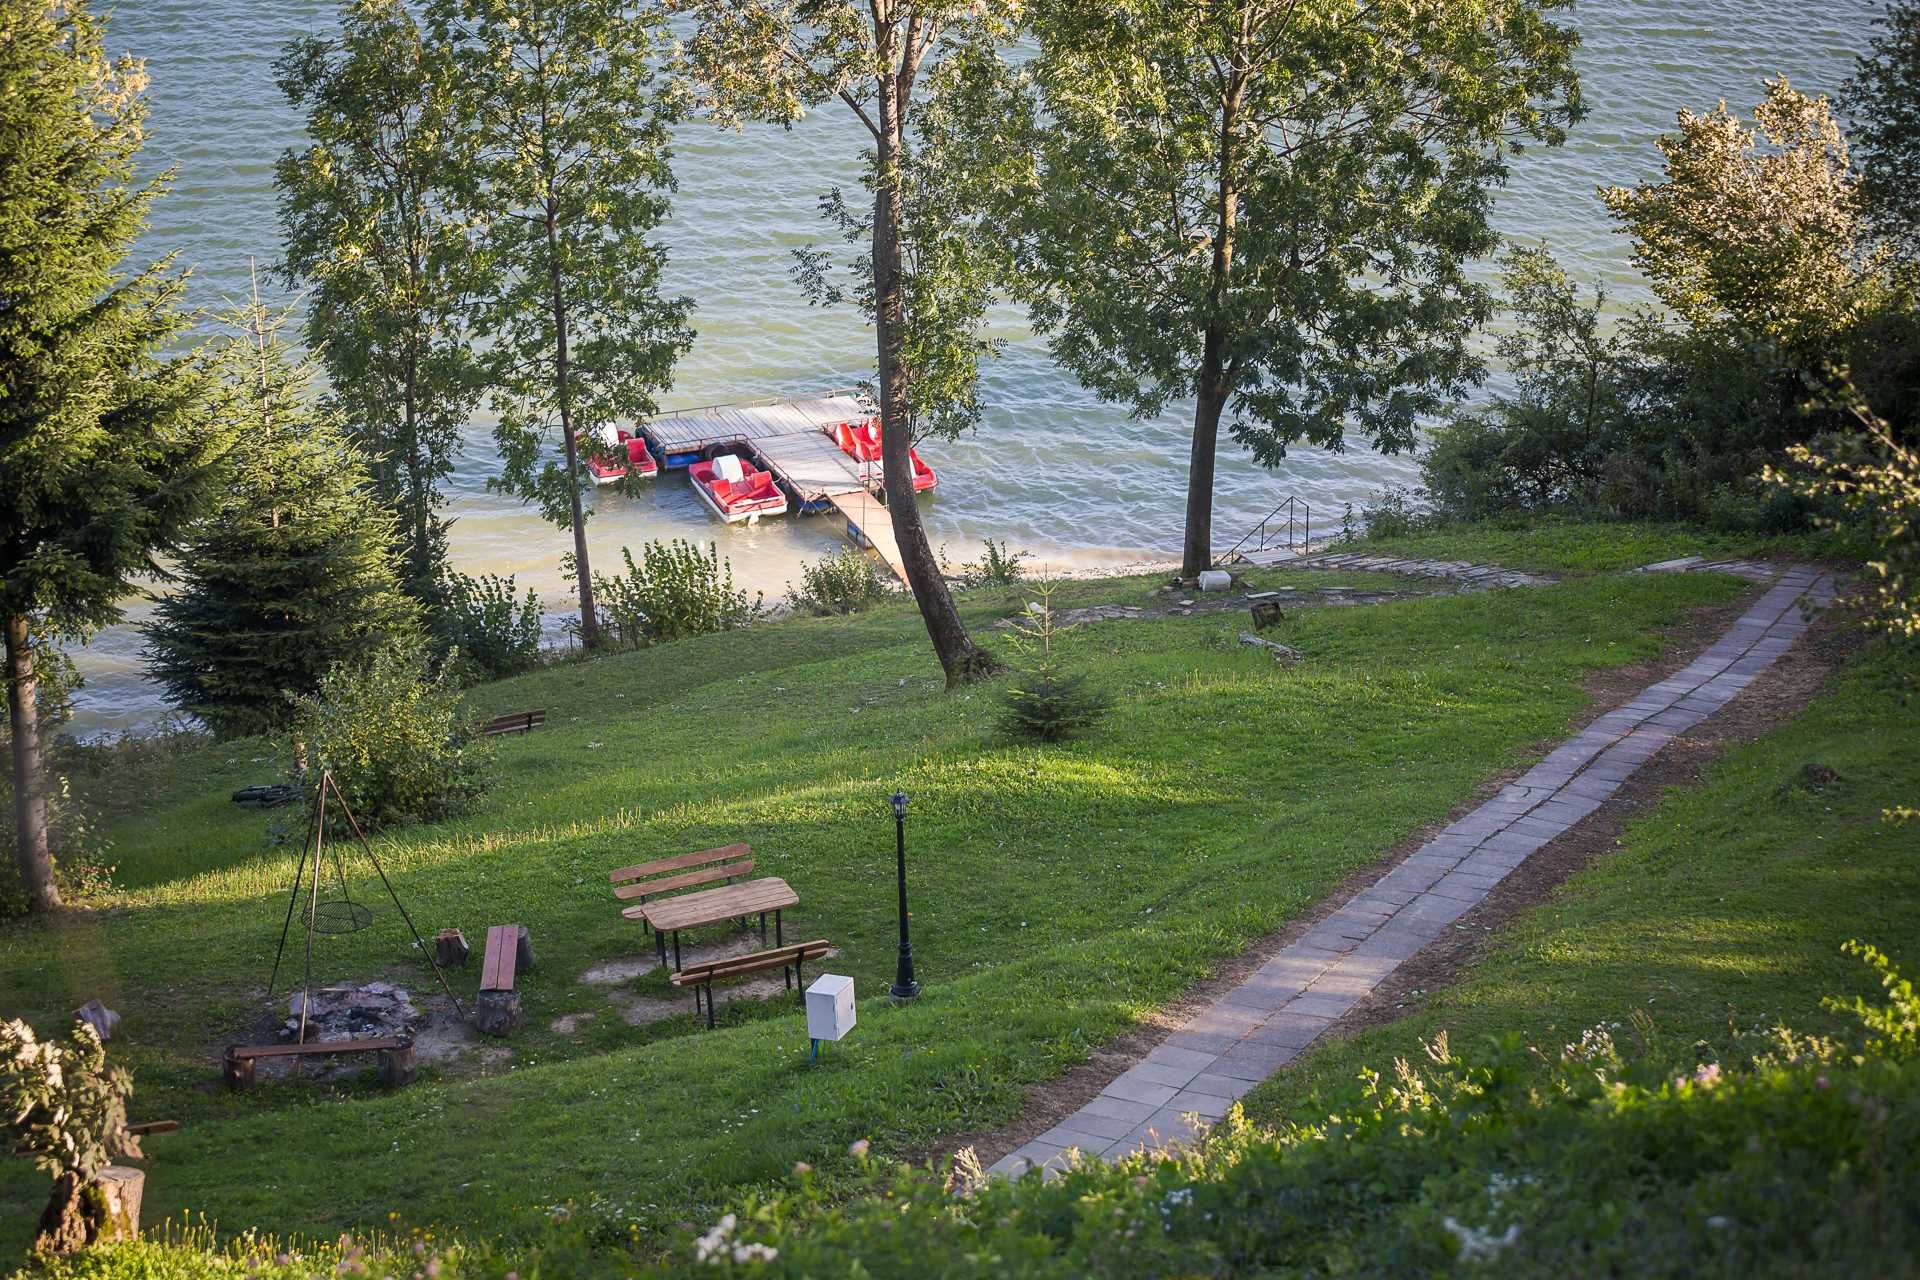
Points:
point(660, 946)
point(763, 928)
point(676, 951)
point(709, 1006)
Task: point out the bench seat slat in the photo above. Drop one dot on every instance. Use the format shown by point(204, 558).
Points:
point(737, 966)
point(503, 945)
point(378, 1045)
point(660, 866)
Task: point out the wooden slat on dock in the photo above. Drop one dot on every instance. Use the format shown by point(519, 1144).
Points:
point(811, 465)
point(692, 430)
point(870, 526)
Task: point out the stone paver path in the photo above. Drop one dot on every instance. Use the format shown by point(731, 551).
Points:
point(1266, 1021)
point(1472, 577)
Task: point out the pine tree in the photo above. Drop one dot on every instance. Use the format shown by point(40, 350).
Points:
point(293, 571)
point(106, 450)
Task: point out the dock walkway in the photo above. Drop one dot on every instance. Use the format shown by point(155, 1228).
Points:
point(788, 437)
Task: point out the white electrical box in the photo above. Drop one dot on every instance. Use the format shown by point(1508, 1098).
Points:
point(829, 1007)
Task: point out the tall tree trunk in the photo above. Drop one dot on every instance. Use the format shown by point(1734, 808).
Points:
point(29, 794)
point(420, 549)
point(1196, 554)
point(1213, 385)
point(960, 658)
point(589, 620)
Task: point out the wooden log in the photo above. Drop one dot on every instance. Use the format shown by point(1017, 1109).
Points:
point(238, 1071)
point(496, 1013)
point(523, 950)
point(450, 949)
point(1266, 614)
point(397, 1066)
point(121, 1190)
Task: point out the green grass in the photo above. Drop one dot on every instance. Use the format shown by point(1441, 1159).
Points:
point(1566, 546)
point(1725, 907)
point(1059, 895)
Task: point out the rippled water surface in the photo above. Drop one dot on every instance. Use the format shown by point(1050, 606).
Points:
point(1051, 470)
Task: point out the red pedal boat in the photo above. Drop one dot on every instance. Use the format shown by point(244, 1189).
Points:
point(861, 442)
point(606, 465)
point(736, 490)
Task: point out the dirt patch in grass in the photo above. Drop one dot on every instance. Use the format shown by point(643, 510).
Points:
point(1778, 694)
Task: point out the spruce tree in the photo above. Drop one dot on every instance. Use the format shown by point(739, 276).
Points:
point(106, 450)
point(292, 572)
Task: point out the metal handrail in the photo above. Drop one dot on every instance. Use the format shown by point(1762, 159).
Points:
point(1299, 516)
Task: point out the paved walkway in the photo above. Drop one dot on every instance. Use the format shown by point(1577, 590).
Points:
point(1268, 1020)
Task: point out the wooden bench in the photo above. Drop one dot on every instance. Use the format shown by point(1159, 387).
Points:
point(513, 722)
point(396, 1057)
point(688, 870)
point(496, 1011)
point(788, 960)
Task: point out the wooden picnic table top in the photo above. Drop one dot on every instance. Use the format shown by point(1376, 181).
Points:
point(711, 906)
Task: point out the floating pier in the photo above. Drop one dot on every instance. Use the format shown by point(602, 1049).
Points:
point(790, 438)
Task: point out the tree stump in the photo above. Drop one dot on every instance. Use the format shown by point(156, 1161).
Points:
point(398, 1066)
point(450, 949)
point(121, 1190)
point(523, 951)
point(74, 1219)
point(496, 1013)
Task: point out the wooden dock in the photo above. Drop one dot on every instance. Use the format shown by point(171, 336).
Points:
point(790, 438)
point(870, 527)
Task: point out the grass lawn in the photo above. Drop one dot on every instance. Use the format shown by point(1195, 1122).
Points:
point(1549, 545)
point(1058, 894)
point(1726, 906)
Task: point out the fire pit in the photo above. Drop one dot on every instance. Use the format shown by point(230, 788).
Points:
point(354, 1013)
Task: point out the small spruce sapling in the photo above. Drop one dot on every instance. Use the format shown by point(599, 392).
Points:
point(1044, 701)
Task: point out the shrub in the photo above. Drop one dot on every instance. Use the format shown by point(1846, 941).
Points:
point(1874, 479)
point(496, 632)
point(1394, 512)
point(998, 566)
point(64, 1106)
point(1043, 701)
point(394, 736)
point(844, 582)
point(1510, 1159)
point(675, 590)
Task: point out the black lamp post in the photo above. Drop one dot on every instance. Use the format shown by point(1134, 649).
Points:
point(904, 987)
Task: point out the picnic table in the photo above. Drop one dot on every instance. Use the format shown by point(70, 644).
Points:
point(711, 906)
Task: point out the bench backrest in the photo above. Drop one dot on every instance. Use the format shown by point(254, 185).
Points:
point(663, 875)
point(503, 949)
point(513, 722)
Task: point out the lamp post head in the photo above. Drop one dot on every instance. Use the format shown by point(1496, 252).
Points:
point(899, 802)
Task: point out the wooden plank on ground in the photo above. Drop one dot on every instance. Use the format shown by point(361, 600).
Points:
point(315, 1047)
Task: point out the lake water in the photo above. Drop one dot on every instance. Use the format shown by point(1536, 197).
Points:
point(1051, 470)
